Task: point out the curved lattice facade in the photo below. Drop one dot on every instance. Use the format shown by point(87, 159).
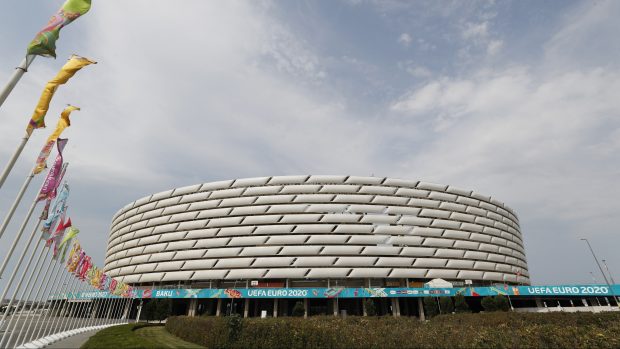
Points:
point(316, 227)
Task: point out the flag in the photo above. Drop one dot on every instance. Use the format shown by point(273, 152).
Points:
point(84, 267)
point(59, 209)
point(59, 233)
point(52, 180)
point(44, 43)
point(66, 240)
point(63, 123)
point(74, 64)
point(74, 255)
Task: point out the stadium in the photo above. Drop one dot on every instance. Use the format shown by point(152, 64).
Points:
point(299, 232)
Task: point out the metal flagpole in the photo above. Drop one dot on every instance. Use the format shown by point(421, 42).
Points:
point(77, 308)
point(80, 308)
point(19, 72)
point(104, 318)
point(19, 284)
point(25, 222)
point(56, 323)
point(38, 296)
point(54, 304)
point(15, 270)
point(119, 305)
point(16, 202)
point(27, 291)
point(61, 304)
point(111, 308)
point(61, 326)
point(87, 312)
point(14, 157)
point(93, 312)
point(21, 259)
point(48, 295)
point(52, 293)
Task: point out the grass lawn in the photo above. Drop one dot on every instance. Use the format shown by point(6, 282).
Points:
point(136, 336)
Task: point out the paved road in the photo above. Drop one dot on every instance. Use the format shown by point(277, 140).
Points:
point(56, 324)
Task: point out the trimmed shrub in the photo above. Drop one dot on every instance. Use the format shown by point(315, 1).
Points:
point(298, 309)
point(488, 330)
point(460, 304)
point(430, 307)
point(446, 306)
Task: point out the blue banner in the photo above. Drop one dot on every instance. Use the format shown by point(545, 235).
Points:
point(341, 292)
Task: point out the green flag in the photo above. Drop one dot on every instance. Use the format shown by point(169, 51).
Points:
point(66, 241)
point(44, 44)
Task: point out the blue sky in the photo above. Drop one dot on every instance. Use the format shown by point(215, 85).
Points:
point(513, 99)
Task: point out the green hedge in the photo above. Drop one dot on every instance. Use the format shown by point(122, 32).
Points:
point(497, 330)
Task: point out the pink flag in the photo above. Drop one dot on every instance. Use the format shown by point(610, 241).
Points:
point(54, 176)
point(58, 234)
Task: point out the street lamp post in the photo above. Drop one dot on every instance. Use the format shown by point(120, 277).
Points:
point(608, 272)
point(596, 260)
point(602, 272)
point(613, 282)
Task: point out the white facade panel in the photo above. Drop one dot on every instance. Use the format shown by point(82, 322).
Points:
point(316, 227)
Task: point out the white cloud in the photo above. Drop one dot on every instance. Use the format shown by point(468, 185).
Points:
point(494, 47)
point(405, 39)
point(476, 31)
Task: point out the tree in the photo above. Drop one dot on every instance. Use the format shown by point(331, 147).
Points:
point(446, 305)
point(369, 304)
point(298, 309)
point(502, 303)
point(148, 310)
point(489, 304)
point(164, 308)
point(430, 307)
point(460, 304)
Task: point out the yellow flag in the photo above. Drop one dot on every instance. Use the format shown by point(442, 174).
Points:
point(62, 124)
point(74, 64)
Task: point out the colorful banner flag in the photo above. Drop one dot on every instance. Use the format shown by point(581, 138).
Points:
point(44, 43)
point(58, 210)
point(59, 233)
point(84, 267)
point(71, 233)
point(74, 64)
point(55, 174)
point(62, 124)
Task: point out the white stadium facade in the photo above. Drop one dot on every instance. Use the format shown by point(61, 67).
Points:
point(302, 230)
point(334, 243)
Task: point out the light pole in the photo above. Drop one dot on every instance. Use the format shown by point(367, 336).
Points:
point(612, 281)
point(596, 259)
point(608, 272)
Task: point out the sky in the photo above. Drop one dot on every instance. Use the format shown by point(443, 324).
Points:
point(513, 99)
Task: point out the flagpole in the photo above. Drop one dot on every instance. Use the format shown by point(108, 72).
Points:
point(55, 324)
point(15, 270)
point(53, 329)
point(27, 291)
point(53, 305)
point(16, 202)
point(9, 166)
point(17, 238)
point(19, 72)
point(79, 307)
point(25, 222)
point(38, 297)
point(21, 280)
